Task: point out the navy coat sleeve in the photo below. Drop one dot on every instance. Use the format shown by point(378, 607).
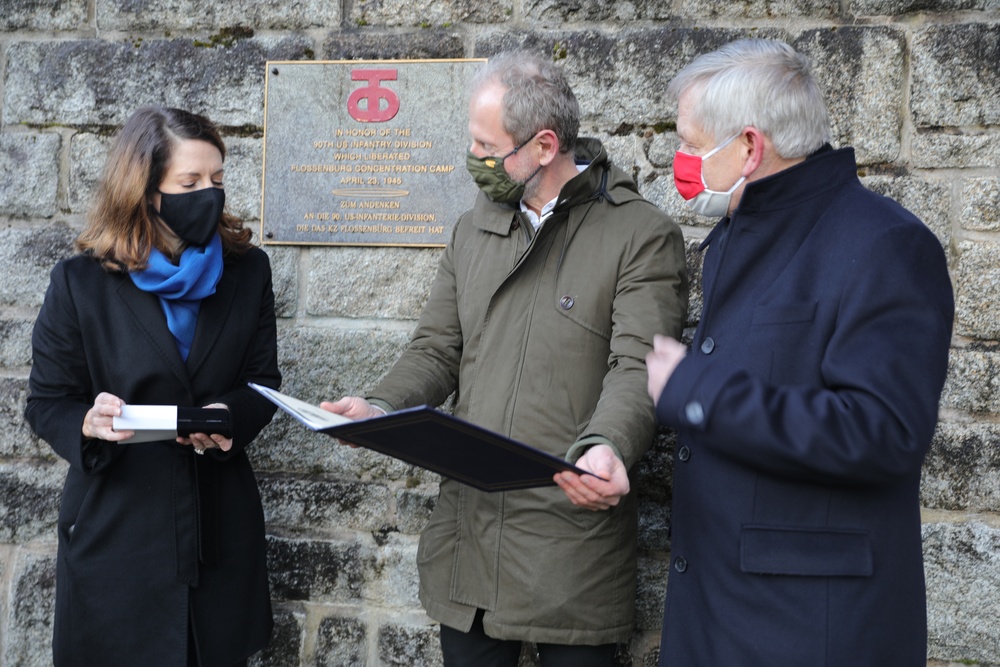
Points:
point(880, 350)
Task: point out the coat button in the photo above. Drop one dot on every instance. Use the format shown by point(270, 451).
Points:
point(680, 564)
point(684, 453)
point(566, 302)
point(694, 412)
point(707, 346)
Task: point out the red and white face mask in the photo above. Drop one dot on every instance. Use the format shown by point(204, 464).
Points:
point(690, 182)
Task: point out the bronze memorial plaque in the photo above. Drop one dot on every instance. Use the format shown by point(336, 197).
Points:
point(365, 152)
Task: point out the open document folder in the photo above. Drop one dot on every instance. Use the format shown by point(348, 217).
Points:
point(436, 441)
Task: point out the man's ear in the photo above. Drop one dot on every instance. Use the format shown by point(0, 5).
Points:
point(548, 146)
point(754, 143)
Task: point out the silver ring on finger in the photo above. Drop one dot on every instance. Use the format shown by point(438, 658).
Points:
point(199, 450)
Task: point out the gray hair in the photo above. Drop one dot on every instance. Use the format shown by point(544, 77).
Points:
point(758, 83)
point(538, 97)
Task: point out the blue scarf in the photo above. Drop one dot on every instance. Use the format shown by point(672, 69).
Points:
point(182, 287)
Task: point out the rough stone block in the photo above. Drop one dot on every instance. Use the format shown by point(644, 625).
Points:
point(414, 507)
point(30, 610)
point(244, 158)
point(962, 570)
point(285, 649)
point(624, 150)
point(696, 296)
point(428, 13)
point(395, 582)
point(341, 642)
point(651, 593)
point(29, 500)
point(973, 382)
point(654, 525)
point(285, 279)
point(701, 10)
point(384, 283)
point(323, 505)
point(319, 571)
point(29, 173)
point(977, 290)
point(193, 15)
point(952, 149)
point(93, 82)
point(16, 439)
point(653, 474)
point(956, 81)
point(660, 148)
point(327, 363)
point(860, 71)
point(980, 212)
point(962, 469)
point(15, 341)
point(43, 15)
point(28, 256)
point(596, 10)
point(88, 155)
point(409, 646)
point(417, 45)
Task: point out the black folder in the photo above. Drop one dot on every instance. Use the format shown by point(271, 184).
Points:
point(438, 442)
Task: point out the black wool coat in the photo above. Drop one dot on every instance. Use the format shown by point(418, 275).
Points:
point(153, 537)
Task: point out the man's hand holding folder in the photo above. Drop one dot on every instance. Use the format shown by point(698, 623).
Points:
point(354, 408)
point(604, 487)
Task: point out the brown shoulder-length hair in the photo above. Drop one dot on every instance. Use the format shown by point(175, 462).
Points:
point(122, 227)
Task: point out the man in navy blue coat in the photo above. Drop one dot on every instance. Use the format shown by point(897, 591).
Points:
point(809, 397)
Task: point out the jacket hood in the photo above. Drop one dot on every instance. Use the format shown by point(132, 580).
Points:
point(600, 180)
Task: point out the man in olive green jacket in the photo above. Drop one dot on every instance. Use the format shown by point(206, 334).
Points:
point(539, 320)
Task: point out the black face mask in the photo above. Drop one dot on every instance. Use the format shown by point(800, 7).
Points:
point(193, 216)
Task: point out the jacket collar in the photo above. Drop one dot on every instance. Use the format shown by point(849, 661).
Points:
point(827, 170)
point(822, 172)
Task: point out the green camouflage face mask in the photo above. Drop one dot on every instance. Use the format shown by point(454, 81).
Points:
point(491, 177)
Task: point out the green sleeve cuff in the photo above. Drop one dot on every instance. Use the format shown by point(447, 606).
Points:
point(582, 445)
point(379, 403)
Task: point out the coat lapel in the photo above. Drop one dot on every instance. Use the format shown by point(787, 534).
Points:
point(212, 318)
point(148, 317)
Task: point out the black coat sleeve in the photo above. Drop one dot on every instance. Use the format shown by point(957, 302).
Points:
point(60, 388)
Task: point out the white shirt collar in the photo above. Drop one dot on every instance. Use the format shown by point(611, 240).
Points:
point(537, 220)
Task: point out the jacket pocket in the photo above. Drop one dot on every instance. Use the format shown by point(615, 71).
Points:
point(808, 552)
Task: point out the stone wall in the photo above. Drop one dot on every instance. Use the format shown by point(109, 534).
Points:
point(914, 85)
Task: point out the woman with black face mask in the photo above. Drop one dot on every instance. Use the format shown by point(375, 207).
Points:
point(161, 558)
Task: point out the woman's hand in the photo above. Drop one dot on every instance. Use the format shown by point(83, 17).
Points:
point(203, 441)
point(97, 423)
